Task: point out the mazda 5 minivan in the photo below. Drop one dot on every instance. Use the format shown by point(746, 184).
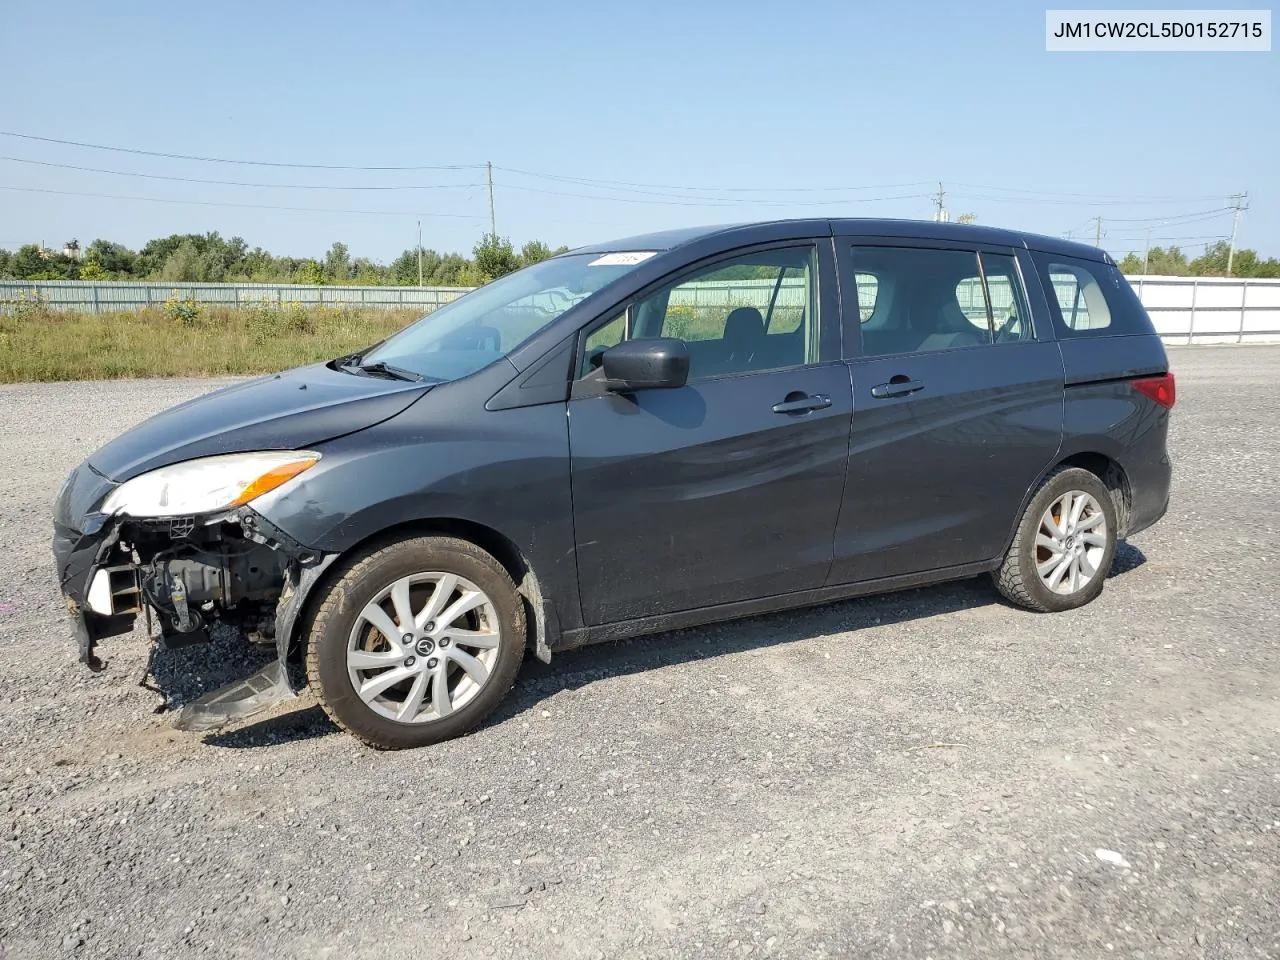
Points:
point(653, 433)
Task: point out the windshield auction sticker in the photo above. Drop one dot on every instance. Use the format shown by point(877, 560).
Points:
point(628, 258)
point(1158, 30)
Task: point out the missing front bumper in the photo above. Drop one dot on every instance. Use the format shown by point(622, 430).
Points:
point(104, 598)
point(265, 688)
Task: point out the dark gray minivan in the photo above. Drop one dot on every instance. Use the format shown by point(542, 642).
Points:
point(653, 433)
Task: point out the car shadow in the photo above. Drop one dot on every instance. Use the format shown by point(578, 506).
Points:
point(307, 721)
point(577, 668)
point(181, 676)
point(573, 669)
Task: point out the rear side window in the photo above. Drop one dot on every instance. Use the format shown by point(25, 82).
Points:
point(1081, 303)
point(1090, 299)
point(921, 300)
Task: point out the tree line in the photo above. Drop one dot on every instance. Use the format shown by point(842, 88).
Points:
point(1172, 262)
point(211, 258)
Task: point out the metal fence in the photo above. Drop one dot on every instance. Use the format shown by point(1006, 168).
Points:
point(1211, 309)
point(105, 297)
point(1184, 309)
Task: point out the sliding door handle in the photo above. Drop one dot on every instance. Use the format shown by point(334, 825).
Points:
point(898, 386)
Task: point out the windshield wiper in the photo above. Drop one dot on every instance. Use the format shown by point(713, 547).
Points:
point(379, 368)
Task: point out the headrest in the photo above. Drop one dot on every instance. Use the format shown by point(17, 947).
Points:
point(743, 328)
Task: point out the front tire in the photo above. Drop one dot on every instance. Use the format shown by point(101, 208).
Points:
point(416, 642)
point(1064, 545)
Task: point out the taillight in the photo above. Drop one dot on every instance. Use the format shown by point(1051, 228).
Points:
point(1160, 389)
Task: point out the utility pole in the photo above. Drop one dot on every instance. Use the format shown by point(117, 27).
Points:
point(419, 253)
point(1240, 201)
point(1146, 252)
point(493, 223)
point(941, 215)
point(1097, 234)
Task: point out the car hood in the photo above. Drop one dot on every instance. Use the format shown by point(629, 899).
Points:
point(285, 411)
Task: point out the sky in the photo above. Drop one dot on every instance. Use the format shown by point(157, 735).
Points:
point(604, 120)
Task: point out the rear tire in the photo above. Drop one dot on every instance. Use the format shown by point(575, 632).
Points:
point(416, 642)
point(1064, 545)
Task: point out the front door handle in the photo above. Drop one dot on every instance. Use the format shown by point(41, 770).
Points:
point(802, 403)
point(898, 386)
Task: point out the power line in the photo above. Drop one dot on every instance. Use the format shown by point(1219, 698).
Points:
point(1138, 229)
point(692, 196)
point(1033, 195)
point(1061, 202)
point(1174, 218)
point(241, 183)
point(585, 181)
point(1084, 196)
point(715, 201)
point(1177, 220)
point(1211, 236)
point(1078, 228)
point(247, 206)
point(630, 186)
point(247, 163)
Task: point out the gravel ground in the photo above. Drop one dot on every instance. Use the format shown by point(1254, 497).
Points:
point(928, 774)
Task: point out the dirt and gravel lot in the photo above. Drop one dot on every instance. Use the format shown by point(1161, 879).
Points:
point(929, 774)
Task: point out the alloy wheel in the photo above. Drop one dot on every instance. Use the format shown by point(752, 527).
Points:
point(423, 647)
point(1071, 542)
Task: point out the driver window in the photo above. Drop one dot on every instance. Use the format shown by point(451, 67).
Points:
point(600, 340)
point(750, 313)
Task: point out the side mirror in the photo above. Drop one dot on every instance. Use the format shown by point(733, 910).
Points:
point(646, 364)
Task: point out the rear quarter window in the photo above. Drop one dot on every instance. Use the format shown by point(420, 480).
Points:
point(1088, 298)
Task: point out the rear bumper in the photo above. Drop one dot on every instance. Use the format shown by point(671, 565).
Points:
point(1149, 486)
point(1137, 525)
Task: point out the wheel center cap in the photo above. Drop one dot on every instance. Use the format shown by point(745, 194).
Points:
point(425, 646)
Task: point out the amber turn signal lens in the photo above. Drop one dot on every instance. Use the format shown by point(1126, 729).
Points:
point(272, 479)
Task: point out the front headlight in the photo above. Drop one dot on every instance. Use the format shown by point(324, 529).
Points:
point(207, 485)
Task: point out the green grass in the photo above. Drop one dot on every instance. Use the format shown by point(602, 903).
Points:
point(182, 339)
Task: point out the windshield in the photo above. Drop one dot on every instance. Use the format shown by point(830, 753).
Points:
point(488, 323)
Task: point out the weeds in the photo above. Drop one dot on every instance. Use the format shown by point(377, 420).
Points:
point(26, 307)
point(184, 312)
point(170, 340)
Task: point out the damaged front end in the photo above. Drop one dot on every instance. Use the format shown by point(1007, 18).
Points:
point(185, 574)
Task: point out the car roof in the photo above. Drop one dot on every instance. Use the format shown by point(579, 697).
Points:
point(665, 240)
point(660, 240)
